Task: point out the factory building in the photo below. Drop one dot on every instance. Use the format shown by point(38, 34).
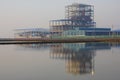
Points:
point(88, 32)
point(76, 16)
point(79, 21)
point(32, 33)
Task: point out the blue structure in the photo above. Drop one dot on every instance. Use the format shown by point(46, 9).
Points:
point(96, 31)
point(115, 32)
point(87, 32)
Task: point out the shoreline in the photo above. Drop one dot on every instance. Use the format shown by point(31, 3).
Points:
point(48, 40)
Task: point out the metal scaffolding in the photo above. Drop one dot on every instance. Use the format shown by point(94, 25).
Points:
point(76, 15)
point(81, 15)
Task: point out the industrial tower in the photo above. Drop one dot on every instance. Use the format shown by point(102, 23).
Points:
point(76, 16)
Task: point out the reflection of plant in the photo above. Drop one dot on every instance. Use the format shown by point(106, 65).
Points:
point(78, 61)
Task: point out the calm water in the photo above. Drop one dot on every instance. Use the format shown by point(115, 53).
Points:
point(70, 61)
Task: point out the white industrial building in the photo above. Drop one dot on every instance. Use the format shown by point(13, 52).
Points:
point(32, 33)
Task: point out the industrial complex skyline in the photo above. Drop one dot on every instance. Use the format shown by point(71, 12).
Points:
point(37, 13)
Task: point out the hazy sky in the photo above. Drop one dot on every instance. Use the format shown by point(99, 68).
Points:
point(37, 13)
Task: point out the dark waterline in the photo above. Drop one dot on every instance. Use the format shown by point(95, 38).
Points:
point(64, 40)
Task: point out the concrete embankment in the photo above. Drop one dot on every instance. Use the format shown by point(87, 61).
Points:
point(48, 40)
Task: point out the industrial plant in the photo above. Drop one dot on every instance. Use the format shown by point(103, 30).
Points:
point(78, 22)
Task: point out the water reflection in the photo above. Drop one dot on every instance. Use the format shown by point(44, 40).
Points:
point(79, 57)
point(33, 46)
point(78, 60)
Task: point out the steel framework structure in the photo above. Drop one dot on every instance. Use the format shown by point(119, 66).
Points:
point(76, 15)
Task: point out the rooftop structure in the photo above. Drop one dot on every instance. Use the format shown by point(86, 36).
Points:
point(32, 33)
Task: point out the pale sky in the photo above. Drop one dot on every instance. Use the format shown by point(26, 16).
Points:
point(16, 14)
